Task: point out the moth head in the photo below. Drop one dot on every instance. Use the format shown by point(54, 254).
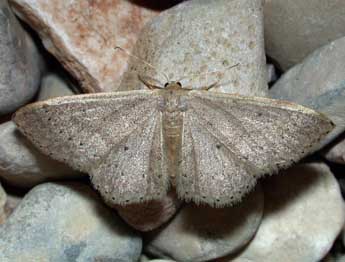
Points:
point(173, 85)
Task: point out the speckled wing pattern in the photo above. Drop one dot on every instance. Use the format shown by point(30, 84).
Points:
point(229, 141)
point(115, 137)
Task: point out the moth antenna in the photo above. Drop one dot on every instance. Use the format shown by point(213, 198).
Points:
point(145, 62)
point(105, 40)
point(207, 73)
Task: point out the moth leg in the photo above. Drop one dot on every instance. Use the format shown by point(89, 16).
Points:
point(207, 88)
point(219, 76)
point(149, 85)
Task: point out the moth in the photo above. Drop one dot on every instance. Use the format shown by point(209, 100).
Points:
point(211, 147)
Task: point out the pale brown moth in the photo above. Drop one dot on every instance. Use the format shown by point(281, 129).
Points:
point(212, 147)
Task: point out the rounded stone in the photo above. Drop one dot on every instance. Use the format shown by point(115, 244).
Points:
point(66, 222)
point(54, 85)
point(21, 64)
point(318, 83)
point(201, 233)
point(186, 47)
point(272, 74)
point(82, 35)
point(336, 152)
point(3, 200)
point(293, 29)
point(150, 215)
point(161, 260)
point(22, 165)
point(12, 201)
point(304, 213)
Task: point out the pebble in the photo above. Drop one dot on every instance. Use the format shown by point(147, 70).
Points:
point(12, 201)
point(66, 222)
point(272, 74)
point(21, 64)
point(144, 258)
point(150, 215)
point(304, 213)
point(200, 233)
point(3, 200)
point(82, 35)
point(54, 85)
point(336, 152)
point(318, 83)
point(181, 42)
point(294, 29)
point(22, 165)
point(337, 259)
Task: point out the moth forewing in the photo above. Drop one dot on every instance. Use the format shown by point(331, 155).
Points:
point(84, 130)
point(229, 141)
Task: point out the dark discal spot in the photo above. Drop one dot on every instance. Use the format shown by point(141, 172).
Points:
point(125, 148)
point(143, 175)
point(113, 198)
point(122, 174)
point(127, 200)
point(159, 176)
point(203, 197)
point(259, 114)
point(218, 146)
point(218, 200)
point(49, 118)
point(70, 138)
point(184, 175)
